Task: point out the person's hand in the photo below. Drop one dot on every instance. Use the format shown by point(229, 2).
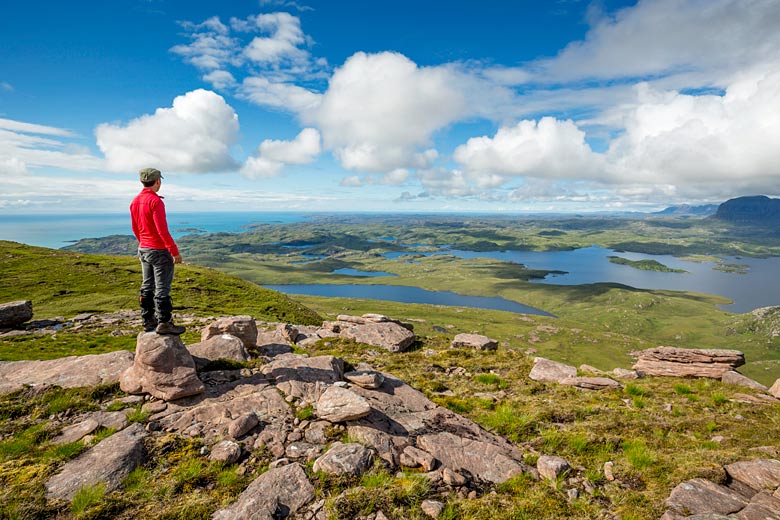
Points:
point(177, 259)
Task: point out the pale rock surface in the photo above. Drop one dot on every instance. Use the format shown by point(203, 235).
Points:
point(759, 474)
point(733, 377)
point(163, 367)
point(303, 377)
point(432, 508)
point(109, 461)
point(622, 373)
point(590, 383)
point(365, 378)
point(387, 335)
point(415, 457)
point(225, 451)
point(341, 404)
point(222, 346)
point(700, 496)
point(345, 459)
point(76, 432)
point(239, 427)
point(284, 489)
point(68, 372)
point(242, 327)
point(681, 362)
point(551, 467)
point(548, 371)
point(13, 314)
point(475, 341)
point(775, 389)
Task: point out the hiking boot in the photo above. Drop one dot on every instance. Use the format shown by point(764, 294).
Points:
point(150, 325)
point(167, 327)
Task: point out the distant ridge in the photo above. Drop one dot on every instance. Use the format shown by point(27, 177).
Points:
point(704, 210)
point(758, 209)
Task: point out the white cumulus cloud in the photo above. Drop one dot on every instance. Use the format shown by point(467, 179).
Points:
point(272, 155)
point(194, 136)
point(278, 95)
point(380, 109)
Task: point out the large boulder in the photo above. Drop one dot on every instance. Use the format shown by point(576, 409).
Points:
point(548, 371)
point(303, 377)
point(69, 372)
point(733, 377)
point(387, 335)
point(109, 462)
point(277, 493)
point(163, 367)
point(682, 362)
point(13, 314)
point(759, 474)
point(242, 327)
point(223, 346)
point(700, 496)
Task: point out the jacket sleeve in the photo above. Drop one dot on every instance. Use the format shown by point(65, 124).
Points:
point(160, 222)
point(134, 222)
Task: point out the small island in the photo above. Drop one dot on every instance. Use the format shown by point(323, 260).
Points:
point(645, 265)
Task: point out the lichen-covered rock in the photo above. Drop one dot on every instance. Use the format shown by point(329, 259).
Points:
point(163, 367)
point(341, 404)
point(759, 474)
point(225, 451)
point(242, 327)
point(68, 372)
point(475, 341)
point(345, 459)
point(284, 488)
point(108, 462)
point(700, 496)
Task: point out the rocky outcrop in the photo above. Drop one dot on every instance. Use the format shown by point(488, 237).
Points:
point(13, 314)
point(163, 367)
point(69, 372)
point(109, 462)
point(277, 493)
point(303, 377)
point(590, 383)
point(750, 493)
point(681, 362)
point(338, 404)
point(475, 341)
point(775, 389)
point(242, 327)
point(733, 377)
point(365, 378)
point(387, 335)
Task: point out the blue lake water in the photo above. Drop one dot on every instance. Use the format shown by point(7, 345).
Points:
point(406, 294)
point(56, 231)
point(758, 287)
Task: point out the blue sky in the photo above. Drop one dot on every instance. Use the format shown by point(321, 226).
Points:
point(389, 106)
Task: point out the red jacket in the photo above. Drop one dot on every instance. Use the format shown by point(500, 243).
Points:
point(147, 212)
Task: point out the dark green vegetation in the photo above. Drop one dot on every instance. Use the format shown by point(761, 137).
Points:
point(645, 265)
point(658, 432)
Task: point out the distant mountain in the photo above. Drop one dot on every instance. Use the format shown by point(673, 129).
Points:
point(704, 210)
point(757, 209)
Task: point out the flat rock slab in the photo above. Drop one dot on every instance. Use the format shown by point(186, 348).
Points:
point(475, 341)
point(591, 383)
point(220, 409)
point(338, 404)
point(277, 493)
point(303, 377)
point(222, 346)
point(548, 371)
point(762, 506)
point(109, 462)
point(700, 496)
point(759, 474)
point(733, 377)
point(13, 314)
point(682, 362)
point(365, 378)
point(69, 372)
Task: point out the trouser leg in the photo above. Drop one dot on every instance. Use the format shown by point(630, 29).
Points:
point(163, 278)
point(146, 295)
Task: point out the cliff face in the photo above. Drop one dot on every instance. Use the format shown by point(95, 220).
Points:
point(755, 210)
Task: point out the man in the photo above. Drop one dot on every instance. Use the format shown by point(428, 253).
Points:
point(157, 252)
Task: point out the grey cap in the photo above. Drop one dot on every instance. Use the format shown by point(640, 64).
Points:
point(150, 174)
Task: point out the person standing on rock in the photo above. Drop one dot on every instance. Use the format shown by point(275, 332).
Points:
point(157, 252)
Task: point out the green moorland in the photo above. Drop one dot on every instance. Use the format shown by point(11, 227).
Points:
point(645, 265)
point(658, 432)
point(309, 252)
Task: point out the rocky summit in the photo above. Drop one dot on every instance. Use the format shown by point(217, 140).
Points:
point(296, 427)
